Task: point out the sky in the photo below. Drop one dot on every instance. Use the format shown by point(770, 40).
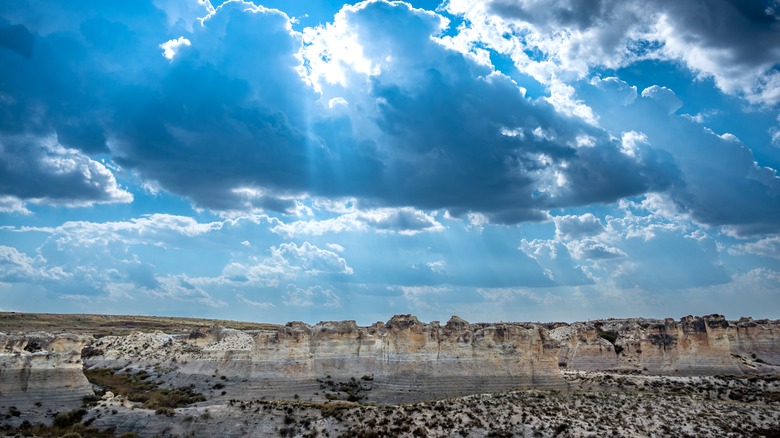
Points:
point(500, 160)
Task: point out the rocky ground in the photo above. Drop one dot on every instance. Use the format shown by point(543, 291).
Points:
point(601, 404)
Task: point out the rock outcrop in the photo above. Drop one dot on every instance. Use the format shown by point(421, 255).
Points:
point(402, 360)
point(41, 374)
point(706, 345)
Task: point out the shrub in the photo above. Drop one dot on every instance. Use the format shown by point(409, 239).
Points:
point(165, 411)
point(67, 419)
point(140, 388)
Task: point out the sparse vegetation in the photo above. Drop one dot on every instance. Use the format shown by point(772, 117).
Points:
point(139, 387)
point(104, 325)
point(66, 424)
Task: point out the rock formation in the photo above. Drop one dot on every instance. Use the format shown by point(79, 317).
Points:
point(706, 345)
point(41, 373)
point(403, 360)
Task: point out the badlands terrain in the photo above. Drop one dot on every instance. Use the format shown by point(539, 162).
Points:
point(90, 375)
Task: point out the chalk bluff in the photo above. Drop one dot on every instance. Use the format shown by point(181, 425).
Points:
point(42, 373)
point(403, 360)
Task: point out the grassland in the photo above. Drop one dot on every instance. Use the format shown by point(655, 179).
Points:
point(104, 325)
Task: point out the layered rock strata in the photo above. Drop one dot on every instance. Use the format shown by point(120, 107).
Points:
point(41, 374)
point(402, 360)
point(706, 345)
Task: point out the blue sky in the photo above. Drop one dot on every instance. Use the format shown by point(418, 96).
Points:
point(293, 160)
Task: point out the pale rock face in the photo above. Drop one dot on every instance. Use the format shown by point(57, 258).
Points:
point(583, 349)
point(41, 372)
point(403, 360)
point(706, 345)
point(408, 360)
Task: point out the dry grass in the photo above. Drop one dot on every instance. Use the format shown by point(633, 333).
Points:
point(139, 387)
point(115, 325)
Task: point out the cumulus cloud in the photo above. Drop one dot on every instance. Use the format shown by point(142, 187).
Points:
point(40, 170)
point(157, 229)
point(572, 227)
point(404, 221)
point(12, 204)
point(16, 266)
point(589, 249)
point(728, 188)
point(669, 258)
point(240, 121)
point(767, 247)
point(287, 262)
point(507, 157)
point(171, 47)
point(311, 259)
point(733, 42)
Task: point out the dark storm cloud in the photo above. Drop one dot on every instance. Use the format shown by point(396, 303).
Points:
point(445, 119)
point(747, 30)
point(39, 169)
point(735, 41)
point(581, 14)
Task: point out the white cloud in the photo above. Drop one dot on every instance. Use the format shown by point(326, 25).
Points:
point(510, 295)
point(589, 249)
point(342, 50)
point(76, 298)
point(155, 229)
point(664, 97)
point(423, 297)
point(12, 204)
point(183, 288)
point(735, 44)
point(573, 227)
point(767, 247)
point(171, 47)
point(335, 247)
point(310, 259)
point(562, 97)
point(439, 266)
point(405, 221)
point(16, 266)
point(287, 262)
point(775, 133)
point(631, 141)
point(311, 296)
point(40, 170)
